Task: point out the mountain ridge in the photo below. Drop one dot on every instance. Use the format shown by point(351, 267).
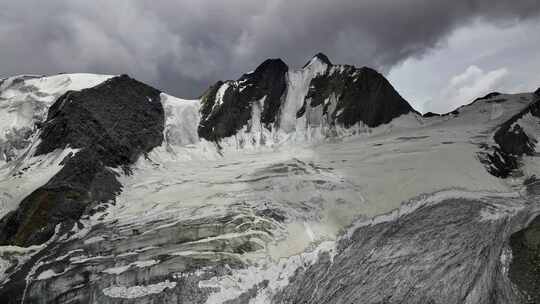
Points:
point(338, 95)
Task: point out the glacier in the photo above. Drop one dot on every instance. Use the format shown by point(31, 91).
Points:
point(303, 209)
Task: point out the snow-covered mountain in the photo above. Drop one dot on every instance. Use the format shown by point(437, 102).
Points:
point(25, 100)
point(273, 104)
point(315, 185)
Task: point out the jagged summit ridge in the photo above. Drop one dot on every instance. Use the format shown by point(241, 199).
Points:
point(227, 106)
point(351, 95)
point(322, 58)
point(320, 96)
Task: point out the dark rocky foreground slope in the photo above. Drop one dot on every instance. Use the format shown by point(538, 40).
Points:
point(444, 253)
point(525, 265)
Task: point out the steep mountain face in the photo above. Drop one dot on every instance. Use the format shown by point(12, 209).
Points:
point(315, 185)
point(227, 106)
point(111, 125)
point(515, 138)
point(349, 95)
point(24, 102)
point(320, 95)
point(513, 142)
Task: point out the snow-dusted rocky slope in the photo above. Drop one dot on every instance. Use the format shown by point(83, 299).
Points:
point(24, 101)
point(317, 185)
point(274, 104)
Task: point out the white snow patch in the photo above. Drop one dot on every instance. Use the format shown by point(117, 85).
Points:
point(47, 274)
point(506, 258)
point(297, 87)
point(133, 292)
point(220, 94)
point(139, 264)
point(94, 239)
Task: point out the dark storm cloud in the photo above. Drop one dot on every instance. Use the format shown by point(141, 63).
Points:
point(183, 46)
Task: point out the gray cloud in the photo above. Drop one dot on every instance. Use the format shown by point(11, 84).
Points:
point(183, 46)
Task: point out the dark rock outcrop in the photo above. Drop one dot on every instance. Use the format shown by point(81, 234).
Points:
point(537, 92)
point(488, 96)
point(118, 119)
point(321, 57)
point(363, 95)
point(525, 266)
point(112, 124)
point(431, 114)
point(512, 143)
point(223, 115)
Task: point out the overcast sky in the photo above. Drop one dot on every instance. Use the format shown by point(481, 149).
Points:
point(437, 53)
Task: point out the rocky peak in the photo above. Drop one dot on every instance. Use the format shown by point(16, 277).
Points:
point(227, 106)
point(488, 96)
point(351, 95)
point(321, 58)
point(119, 118)
point(110, 125)
point(326, 94)
point(266, 69)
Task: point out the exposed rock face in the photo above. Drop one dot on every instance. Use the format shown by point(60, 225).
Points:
point(525, 265)
point(24, 103)
point(320, 57)
point(488, 96)
point(512, 143)
point(119, 120)
point(346, 94)
point(227, 106)
point(537, 92)
point(112, 124)
point(362, 95)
